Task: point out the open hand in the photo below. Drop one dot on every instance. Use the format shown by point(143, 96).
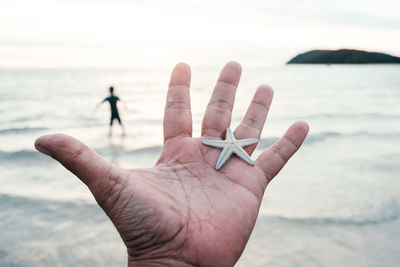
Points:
point(183, 212)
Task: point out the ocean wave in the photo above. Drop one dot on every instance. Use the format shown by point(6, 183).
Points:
point(50, 209)
point(263, 144)
point(387, 212)
point(368, 115)
point(311, 138)
point(20, 154)
point(336, 221)
point(385, 135)
point(318, 137)
point(7, 199)
point(33, 155)
point(22, 130)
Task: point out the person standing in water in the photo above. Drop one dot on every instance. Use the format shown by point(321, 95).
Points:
point(113, 99)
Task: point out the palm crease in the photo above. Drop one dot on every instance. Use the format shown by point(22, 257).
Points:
point(183, 212)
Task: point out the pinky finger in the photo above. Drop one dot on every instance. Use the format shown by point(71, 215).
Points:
point(273, 159)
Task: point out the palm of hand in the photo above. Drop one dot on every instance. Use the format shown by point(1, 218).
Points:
point(183, 211)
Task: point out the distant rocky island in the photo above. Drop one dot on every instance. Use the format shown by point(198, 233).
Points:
point(343, 56)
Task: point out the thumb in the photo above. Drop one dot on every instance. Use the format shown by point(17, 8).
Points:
point(82, 161)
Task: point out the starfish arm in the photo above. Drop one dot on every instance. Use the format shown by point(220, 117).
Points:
point(241, 153)
point(223, 157)
point(229, 135)
point(229, 146)
point(246, 142)
point(215, 143)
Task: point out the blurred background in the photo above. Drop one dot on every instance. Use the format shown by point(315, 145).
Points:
point(337, 203)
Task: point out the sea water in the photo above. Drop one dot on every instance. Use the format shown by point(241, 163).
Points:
point(336, 203)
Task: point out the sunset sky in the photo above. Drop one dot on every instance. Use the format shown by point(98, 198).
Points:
point(155, 33)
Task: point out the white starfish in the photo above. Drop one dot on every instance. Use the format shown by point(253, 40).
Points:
point(231, 146)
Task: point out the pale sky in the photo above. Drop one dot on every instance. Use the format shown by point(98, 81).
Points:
point(156, 33)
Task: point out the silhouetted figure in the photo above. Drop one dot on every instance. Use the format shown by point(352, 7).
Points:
point(113, 99)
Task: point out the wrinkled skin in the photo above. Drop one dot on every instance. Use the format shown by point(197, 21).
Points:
point(183, 212)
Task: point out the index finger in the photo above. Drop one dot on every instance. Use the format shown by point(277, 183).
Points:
point(177, 114)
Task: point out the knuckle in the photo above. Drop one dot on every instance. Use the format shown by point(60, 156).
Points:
point(220, 104)
point(226, 83)
point(252, 123)
point(291, 142)
point(278, 151)
point(70, 157)
point(213, 131)
point(261, 104)
point(178, 104)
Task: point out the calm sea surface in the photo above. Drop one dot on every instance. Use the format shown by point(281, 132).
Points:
point(337, 203)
